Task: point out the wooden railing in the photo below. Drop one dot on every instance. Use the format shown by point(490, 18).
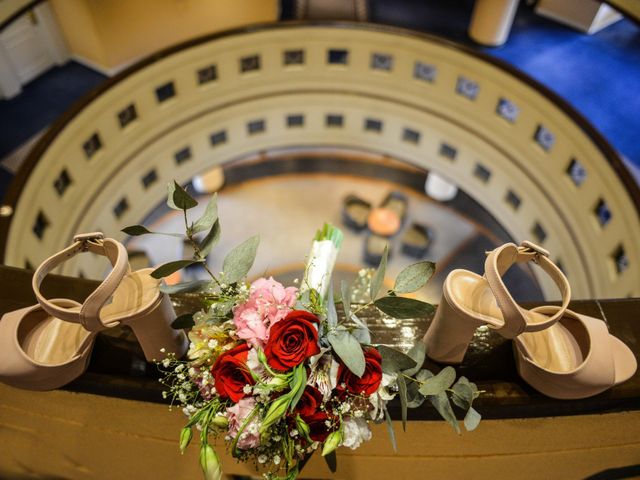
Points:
point(113, 423)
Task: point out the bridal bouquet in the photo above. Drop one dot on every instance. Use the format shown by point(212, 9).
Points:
point(276, 373)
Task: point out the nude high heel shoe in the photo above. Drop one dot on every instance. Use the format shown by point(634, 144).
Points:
point(558, 352)
point(49, 344)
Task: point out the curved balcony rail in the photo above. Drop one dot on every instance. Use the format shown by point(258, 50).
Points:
point(515, 147)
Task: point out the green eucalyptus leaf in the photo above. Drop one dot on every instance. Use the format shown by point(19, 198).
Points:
point(414, 277)
point(332, 461)
point(463, 393)
point(239, 261)
point(414, 397)
point(347, 347)
point(171, 267)
point(346, 298)
point(402, 308)
point(208, 218)
point(187, 287)
point(442, 405)
point(471, 419)
point(181, 199)
point(363, 335)
point(392, 434)
point(135, 230)
point(210, 240)
point(358, 322)
point(402, 393)
point(394, 361)
point(171, 188)
point(417, 354)
point(438, 383)
point(423, 375)
point(378, 277)
point(183, 321)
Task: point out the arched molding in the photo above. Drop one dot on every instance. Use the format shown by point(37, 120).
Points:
point(419, 116)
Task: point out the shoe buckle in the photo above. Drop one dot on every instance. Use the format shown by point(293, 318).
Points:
point(530, 247)
point(86, 238)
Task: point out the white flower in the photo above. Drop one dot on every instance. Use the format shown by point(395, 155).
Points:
point(324, 373)
point(276, 459)
point(356, 431)
point(262, 458)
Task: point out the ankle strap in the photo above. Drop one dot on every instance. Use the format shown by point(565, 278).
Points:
point(498, 262)
point(89, 313)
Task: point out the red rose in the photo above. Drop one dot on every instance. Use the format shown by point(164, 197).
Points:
point(318, 430)
point(309, 402)
point(370, 381)
point(231, 374)
point(292, 340)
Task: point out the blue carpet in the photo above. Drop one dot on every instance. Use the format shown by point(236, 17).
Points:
point(41, 102)
point(598, 74)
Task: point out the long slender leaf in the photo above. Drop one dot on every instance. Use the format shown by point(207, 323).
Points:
point(402, 393)
point(332, 314)
point(392, 434)
point(299, 384)
point(171, 267)
point(187, 287)
point(346, 298)
point(402, 308)
point(378, 276)
point(137, 230)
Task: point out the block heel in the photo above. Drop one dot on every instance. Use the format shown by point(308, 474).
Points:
point(449, 334)
point(155, 335)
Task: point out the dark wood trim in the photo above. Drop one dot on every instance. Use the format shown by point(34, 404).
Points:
point(18, 13)
point(14, 191)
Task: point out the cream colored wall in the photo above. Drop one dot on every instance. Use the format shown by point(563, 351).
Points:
point(113, 34)
point(79, 29)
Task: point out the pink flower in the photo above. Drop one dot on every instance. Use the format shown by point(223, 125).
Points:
point(269, 302)
point(250, 436)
